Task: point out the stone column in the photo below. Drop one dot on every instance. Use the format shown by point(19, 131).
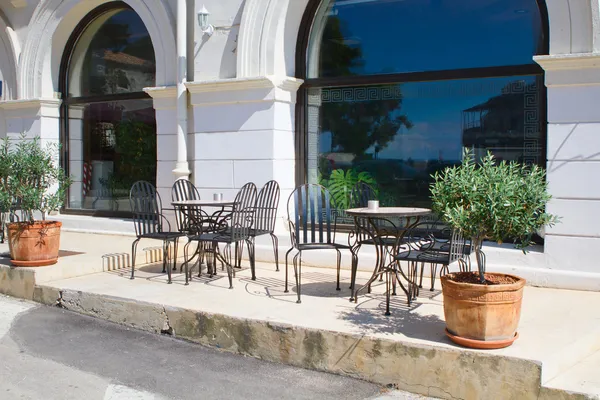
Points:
point(244, 132)
point(165, 105)
point(573, 83)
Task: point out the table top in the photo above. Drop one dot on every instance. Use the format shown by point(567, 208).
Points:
point(389, 212)
point(205, 203)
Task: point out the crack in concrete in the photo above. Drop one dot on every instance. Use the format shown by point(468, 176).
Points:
point(428, 388)
point(167, 328)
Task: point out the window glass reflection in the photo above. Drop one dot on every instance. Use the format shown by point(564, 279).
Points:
point(111, 145)
point(113, 55)
point(400, 134)
point(366, 37)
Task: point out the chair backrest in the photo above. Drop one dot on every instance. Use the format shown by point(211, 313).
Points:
point(361, 194)
point(437, 239)
point(183, 190)
point(146, 208)
point(267, 203)
point(311, 215)
point(242, 216)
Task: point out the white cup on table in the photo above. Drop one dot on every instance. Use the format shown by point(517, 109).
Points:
point(218, 196)
point(373, 205)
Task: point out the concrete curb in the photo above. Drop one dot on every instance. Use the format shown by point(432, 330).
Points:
point(428, 370)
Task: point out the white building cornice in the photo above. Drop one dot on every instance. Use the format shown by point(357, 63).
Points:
point(18, 3)
point(261, 82)
point(165, 97)
point(30, 107)
point(571, 69)
point(244, 90)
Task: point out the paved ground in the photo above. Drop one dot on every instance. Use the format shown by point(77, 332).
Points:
point(50, 353)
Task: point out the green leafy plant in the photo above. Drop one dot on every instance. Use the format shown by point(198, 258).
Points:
point(492, 200)
point(341, 183)
point(30, 177)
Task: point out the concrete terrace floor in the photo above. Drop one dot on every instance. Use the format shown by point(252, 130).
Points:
point(558, 328)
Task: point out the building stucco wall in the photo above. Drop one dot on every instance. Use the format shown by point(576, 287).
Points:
point(243, 98)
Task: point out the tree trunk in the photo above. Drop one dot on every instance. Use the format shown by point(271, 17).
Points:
point(477, 242)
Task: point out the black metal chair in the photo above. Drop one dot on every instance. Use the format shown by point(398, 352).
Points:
point(9, 216)
point(265, 217)
point(313, 227)
point(191, 220)
point(240, 225)
point(148, 220)
point(361, 194)
point(433, 243)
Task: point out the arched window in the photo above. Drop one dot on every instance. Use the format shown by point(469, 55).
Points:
point(108, 121)
point(395, 89)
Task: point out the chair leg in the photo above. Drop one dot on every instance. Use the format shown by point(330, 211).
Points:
point(239, 252)
point(387, 292)
point(229, 262)
point(133, 250)
point(433, 274)
point(286, 270)
point(165, 257)
point(339, 264)
point(353, 275)
point(175, 248)
point(251, 255)
point(298, 274)
point(275, 240)
point(186, 261)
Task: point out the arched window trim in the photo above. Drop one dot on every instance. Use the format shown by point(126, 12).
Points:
point(302, 48)
point(63, 86)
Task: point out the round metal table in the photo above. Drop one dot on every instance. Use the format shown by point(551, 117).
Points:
point(375, 227)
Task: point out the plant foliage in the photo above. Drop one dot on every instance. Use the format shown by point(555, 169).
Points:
point(30, 177)
point(492, 200)
point(341, 183)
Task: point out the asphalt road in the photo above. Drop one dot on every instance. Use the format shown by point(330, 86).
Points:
point(48, 353)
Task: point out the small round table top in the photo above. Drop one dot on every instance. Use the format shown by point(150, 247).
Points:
point(389, 212)
point(203, 203)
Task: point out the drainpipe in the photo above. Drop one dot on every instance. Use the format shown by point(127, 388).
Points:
point(182, 169)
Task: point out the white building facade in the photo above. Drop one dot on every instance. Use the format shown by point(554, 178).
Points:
point(293, 90)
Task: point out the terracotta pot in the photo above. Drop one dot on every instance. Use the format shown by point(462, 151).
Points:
point(34, 245)
point(482, 316)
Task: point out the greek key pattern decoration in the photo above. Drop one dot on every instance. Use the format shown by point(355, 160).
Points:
point(364, 93)
point(531, 124)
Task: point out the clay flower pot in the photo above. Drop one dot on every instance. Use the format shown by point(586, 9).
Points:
point(34, 245)
point(482, 316)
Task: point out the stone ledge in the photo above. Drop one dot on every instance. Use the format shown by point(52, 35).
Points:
point(427, 370)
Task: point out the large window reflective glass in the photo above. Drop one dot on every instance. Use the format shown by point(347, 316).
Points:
point(367, 37)
point(113, 55)
point(111, 146)
point(397, 135)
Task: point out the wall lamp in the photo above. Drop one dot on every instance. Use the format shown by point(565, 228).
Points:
point(205, 27)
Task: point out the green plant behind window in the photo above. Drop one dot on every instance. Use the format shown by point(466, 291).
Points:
point(341, 183)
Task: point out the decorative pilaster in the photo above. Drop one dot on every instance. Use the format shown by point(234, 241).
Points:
point(573, 82)
point(244, 132)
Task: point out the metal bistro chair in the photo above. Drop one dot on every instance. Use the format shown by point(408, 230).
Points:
point(424, 246)
point(265, 217)
point(148, 220)
point(313, 227)
point(190, 221)
point(361, 194)
point(9, 216)
point(240, 223)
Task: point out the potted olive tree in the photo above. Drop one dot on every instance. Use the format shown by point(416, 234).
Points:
point(32, 185)
point(488, 200)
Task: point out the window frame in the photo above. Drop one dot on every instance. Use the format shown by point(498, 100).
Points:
point(302, 49)
point(67, 101)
